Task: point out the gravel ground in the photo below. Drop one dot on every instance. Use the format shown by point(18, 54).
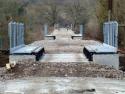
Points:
point(38, 69)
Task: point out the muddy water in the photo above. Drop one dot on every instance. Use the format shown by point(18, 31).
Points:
point(57, 85)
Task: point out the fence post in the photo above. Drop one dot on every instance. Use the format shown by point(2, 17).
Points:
point(45, 29)
point(22, 33)
point(10, 29)
point(14, 34)
point(81, 30)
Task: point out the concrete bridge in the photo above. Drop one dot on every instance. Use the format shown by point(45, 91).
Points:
point(61, 47)
point(65, 58)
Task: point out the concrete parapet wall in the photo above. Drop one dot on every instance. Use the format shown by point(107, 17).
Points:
point(19, 58)
point(77, 38)
point(111, 60)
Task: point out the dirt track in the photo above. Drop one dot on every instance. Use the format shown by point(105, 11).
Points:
point(62, 85)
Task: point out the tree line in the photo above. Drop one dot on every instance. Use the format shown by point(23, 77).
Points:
point(35, 13)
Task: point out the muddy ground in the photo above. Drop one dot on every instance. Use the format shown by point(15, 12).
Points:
point(62, 85)
point(39, 69)
point(4, 57)
point(30, 77)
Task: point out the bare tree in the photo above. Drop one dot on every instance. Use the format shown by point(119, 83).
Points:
point(51, 12)
point(76, 13)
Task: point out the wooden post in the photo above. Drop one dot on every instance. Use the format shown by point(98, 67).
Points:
point(110, 6)
point(109, 15)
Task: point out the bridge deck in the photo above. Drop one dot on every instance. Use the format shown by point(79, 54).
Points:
point(71, 57)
